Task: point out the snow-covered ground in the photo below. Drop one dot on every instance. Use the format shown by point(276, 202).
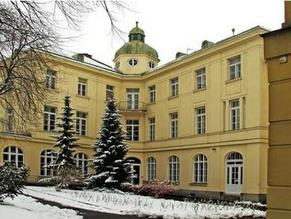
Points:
point(140, 205)
point(28, 208)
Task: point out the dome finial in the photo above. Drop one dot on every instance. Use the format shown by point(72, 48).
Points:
point(136, 23)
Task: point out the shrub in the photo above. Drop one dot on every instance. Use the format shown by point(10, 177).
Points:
point(155, 188)
point(12, 180)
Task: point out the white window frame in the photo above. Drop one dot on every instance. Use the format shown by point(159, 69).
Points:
point(82, 87)
point(81, 123)
point(132, 129)
point(234, 106)
point(151, 64)
point(200, 168)
point(152, 129)
point(109, 91)
point(51, 79)
point(200, 120)
point(82, 163)
point(44, 157)
point(152, 94)
point(174, 87)
point(16, 153)
point(132, 62)
point(152, 168)
point(234, 67)
point(174, 169)
point(174, 125)
point(49, 118)
point(201, 78)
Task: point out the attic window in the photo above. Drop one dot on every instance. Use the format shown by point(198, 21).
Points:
point(151, 64)
point(132, 62)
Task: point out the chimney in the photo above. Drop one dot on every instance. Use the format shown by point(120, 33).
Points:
point(287, 22)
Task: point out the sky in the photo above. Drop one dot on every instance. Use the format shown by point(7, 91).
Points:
point(171, 26)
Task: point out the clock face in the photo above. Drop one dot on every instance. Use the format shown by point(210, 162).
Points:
point(132, 62)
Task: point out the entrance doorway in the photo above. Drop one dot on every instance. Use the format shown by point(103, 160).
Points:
point(234, 173)
point(135, 168)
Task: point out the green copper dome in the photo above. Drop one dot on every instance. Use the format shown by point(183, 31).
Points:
point(136, 44)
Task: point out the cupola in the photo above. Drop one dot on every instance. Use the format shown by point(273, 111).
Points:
point(136, 56)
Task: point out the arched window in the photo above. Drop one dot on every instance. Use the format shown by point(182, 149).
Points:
point(46, 158)
point(82, 163)
point(152, 168)
point(173, 169)
point(14, 155)
point(200, 168)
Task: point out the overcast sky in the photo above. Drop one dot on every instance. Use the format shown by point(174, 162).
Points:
point(172, 26)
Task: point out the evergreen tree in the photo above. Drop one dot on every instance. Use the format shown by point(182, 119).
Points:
point(12, 180)
point(64, 162)
point(111, 168)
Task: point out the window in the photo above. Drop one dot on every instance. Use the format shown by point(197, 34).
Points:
point(152, 94)
point(14, 155)
point(9, 119)
point(82, 87)
point(234, 114)
point(200, 120)
point(200, 78)
point(174, 86)
point(174, 125)
point(46, 158)
point(200, 168)
point(51, 79)
point(117, 64)
point(152, 168)
point(132, 62)
point(234, 68)
point(151, 64)
point(132, 98)
point(81, 123)
point(173, 169)
point(49, 118)
point(109, 92)
point(82, 163)
point(152, 129)
point(132, 129)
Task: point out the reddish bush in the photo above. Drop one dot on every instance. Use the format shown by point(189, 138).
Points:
point(153, 188)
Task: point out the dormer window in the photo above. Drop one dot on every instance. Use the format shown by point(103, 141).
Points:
point(151, 64)
point(117, 64)
point(132, 62)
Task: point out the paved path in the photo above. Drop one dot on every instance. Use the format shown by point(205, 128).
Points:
point(87, 214)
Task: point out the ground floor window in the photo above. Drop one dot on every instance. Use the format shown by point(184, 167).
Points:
point(46, 158)
point(174, 169)
point(82, 163)
point(200, 168)
point(14, 155)
point(152, 167)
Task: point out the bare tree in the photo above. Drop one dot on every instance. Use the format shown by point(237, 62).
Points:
point(28, 32)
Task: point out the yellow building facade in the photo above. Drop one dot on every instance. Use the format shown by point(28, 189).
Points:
point(278, 55)
point(200, 121)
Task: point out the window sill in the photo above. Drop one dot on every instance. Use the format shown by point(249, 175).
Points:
point(197, 184)
point(198, 90)
point(173, 97)
point(151, 103)
point(198, 135)
point(233, 80)
point(85, 97)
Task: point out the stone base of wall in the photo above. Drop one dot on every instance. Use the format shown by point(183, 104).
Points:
point(220, 196)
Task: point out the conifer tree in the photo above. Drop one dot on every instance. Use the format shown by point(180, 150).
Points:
point(111, 168)
point(64, 162)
